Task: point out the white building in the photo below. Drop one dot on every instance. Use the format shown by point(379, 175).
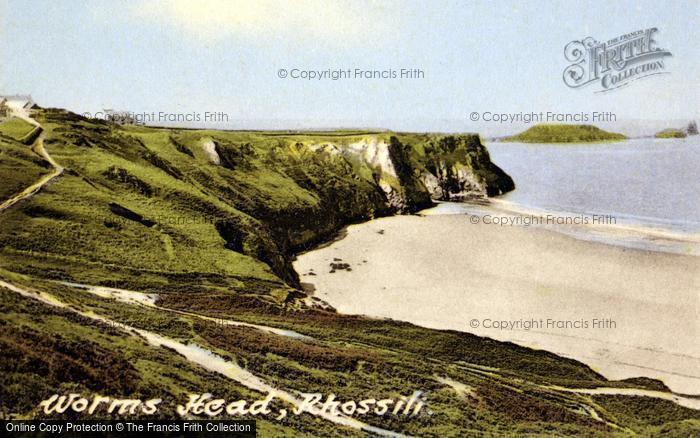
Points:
point(19, 102)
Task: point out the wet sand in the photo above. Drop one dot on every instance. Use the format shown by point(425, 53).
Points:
point(624, 312)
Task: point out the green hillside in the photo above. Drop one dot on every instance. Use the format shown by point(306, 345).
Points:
point(210, 222)
point(545, 133)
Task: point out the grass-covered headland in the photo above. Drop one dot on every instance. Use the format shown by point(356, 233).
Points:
point(561, 133)
point(210, 221)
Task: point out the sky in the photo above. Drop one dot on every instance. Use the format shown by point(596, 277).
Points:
point(225, 56)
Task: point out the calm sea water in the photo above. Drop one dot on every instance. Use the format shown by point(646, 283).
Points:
point(646, 182)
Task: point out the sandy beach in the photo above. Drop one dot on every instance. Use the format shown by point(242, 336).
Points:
point(624, 312)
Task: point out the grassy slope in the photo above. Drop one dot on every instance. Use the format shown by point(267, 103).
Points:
point(15, 128)
point(545, 133)
point(270, 197)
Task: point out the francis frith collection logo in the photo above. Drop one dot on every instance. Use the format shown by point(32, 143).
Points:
point(614, 63)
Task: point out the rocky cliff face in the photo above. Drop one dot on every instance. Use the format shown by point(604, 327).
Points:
point(459, 167)
point(414, 170)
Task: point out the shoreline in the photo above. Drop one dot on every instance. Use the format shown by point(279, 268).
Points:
point(631, 235)
point(391, 279)
point(652, 227)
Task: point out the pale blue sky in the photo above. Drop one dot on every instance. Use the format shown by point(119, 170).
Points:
point(224, 56)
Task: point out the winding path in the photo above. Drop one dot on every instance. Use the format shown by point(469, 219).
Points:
point(40, 149)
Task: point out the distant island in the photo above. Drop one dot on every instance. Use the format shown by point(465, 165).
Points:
point(671, 133)
point(546, 133)
point(691, 129)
